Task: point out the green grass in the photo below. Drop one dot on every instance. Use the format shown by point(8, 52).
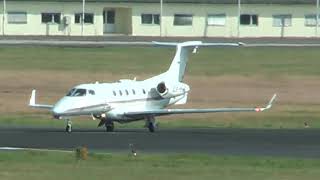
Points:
point(264, 61)
point(37, 165)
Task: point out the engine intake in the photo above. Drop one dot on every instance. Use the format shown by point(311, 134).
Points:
point(161, 88)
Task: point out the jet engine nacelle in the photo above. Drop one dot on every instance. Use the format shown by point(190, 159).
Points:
point(168, 91)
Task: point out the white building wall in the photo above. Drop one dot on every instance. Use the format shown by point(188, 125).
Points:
point(199, 26)
point(144, 29)
point(1, 18)
point(2, 24)
point(266, 28)
point(35, 27)
point(128, 19)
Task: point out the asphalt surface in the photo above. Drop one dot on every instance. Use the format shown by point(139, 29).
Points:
point(279, 142)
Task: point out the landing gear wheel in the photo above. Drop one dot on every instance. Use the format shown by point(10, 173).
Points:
point(68, 127)
point(151, 127)
point(151, 123)
point(109, 126)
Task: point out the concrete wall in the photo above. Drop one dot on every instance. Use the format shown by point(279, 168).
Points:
point(266, 28)
point(35, 27)
point(1, 18)
point(200, 28)
point(128, 19)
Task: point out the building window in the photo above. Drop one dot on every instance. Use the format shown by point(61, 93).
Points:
point(150, 19)
point(127, 92)
point(51, 18)
point(216, 19)
point(249, 19)
point(144, 91)
point(311, 20)
point(17, 17)
point(134, 92)
point(182, 20)
point(282, 20)
point(88, 18)
point(120, 92)
point(114, 93)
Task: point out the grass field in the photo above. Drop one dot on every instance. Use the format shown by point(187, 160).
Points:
point(219, 77)
point(37, 165)
point(150, 60)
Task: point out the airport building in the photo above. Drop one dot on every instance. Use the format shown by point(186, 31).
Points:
point(171, 18)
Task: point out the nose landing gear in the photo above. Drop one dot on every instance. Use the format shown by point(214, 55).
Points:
point(69, 126)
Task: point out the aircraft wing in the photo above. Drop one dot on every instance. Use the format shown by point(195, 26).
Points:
point(159, 112)
point(32, 102)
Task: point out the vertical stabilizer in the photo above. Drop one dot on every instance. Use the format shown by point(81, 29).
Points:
point(179, 62)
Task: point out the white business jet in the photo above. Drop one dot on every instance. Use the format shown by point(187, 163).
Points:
point(130, 100)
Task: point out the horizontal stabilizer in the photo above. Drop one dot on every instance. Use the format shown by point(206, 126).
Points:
point(196, 43)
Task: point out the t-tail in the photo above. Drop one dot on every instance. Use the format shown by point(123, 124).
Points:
point(178, 66)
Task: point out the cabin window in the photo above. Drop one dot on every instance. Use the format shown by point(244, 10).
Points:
point(114, 93)
point(133, 92)
point(92, 92)
point(127, 92)
point(120, 92)
point(144, 91)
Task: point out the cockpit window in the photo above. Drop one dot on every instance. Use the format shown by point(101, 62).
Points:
point(77, 92)
point(70, 92)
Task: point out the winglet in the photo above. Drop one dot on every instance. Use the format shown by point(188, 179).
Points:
point(269, 105)
point(32, 101)
point(241, 44)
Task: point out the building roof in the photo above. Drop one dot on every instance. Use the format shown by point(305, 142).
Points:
point(288, 2)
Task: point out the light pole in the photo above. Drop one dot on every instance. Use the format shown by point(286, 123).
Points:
point(239, 14)
point(3, 15)
point(161, 11)
point(82, 17)
point(317, 18)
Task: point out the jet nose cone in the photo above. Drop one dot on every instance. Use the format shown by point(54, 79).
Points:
point(57, 112)
point(58, 109)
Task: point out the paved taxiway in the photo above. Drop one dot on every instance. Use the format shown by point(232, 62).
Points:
point(279, 142)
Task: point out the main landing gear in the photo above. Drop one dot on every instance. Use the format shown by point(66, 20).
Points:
point(151, 124)
point(109, 126)
point(107, 123)
point(69, 126)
